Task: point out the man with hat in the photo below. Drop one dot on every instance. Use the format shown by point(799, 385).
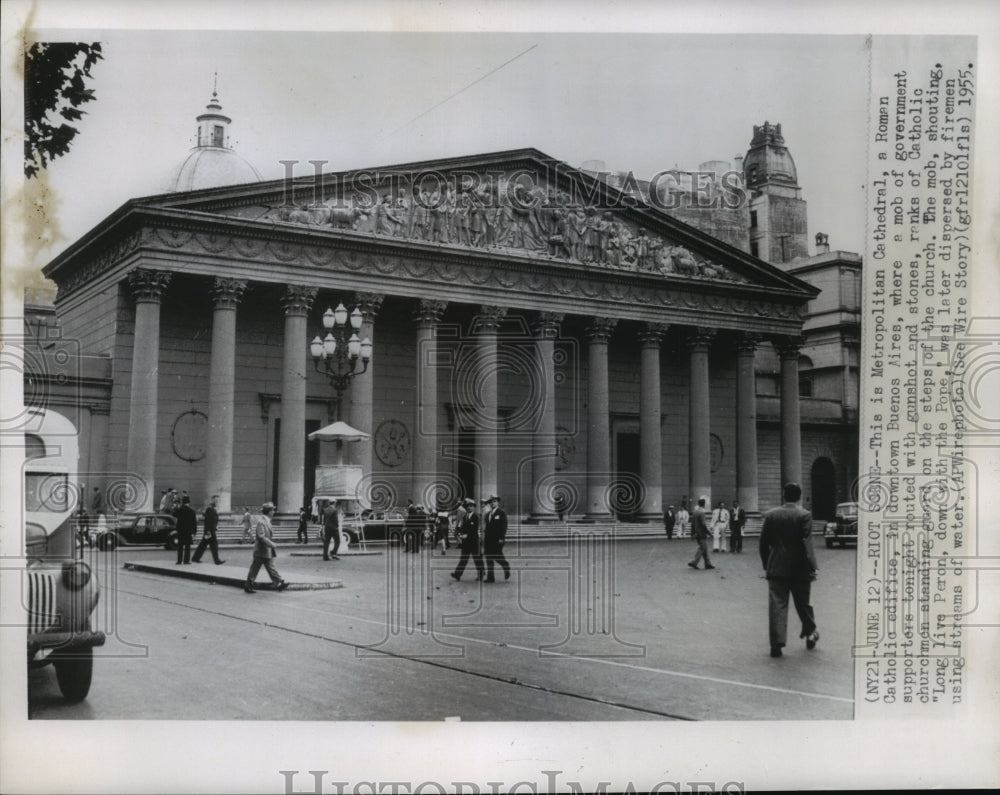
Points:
point(469, 535)
point(264, 552)
point(700, 531)
point(494, 535)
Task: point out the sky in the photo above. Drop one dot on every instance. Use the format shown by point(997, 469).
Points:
point(639, 102)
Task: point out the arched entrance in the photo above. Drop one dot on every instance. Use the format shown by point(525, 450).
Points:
point(823, 476)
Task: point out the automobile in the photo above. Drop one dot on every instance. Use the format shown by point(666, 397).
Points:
point(844, 527)
point(144, 529)
point(61, 595)
point(384, 525)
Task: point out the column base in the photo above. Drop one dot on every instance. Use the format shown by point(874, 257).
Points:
point(596, 518)
point(647, 518)
point(544, 518)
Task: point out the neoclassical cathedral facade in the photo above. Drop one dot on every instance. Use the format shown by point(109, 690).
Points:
point(537, 331)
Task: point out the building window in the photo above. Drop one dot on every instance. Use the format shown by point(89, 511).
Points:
point(754, 249)
point(753, 219)
point(217, 135)
point(805, 386)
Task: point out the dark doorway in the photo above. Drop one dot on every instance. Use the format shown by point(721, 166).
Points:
point(310, 462)
point(625, 503)
point(824, 489)
point(467, 462)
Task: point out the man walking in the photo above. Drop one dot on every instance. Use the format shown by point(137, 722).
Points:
point(187, 526)
point(737, 518)
point(468, 532)
point(669, 520)
point(700, 531)
point(331, 530)
point(264, 552)
point(786, 552)
point(494, 535)
point(209, 538)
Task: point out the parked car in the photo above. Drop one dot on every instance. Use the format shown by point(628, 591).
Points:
point(844, 528)
point(144, 529)
point(384, 525)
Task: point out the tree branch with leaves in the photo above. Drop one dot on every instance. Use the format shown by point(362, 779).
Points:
point(55, 86)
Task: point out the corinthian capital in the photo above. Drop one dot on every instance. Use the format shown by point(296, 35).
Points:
point(601, 328)
point(298, 299)
point(546, 324)
point(369, 304)
point(746, 343)
point(227, 293)
point(148, 286)
point(489, 318)
point(788, 347)
point(429, 310)
point(699, 340)
point(652, 333)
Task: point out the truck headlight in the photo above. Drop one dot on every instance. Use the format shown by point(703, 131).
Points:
point(75, 575)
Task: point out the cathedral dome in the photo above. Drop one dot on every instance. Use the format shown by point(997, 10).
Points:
point(213, 162)
point(209, 167)
point(768, 159)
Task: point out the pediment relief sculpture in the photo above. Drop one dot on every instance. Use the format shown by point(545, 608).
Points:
point(535, 220)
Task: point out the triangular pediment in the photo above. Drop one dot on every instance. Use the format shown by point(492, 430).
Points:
point(520, 204)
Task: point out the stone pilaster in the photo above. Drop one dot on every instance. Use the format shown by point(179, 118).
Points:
point(543, 447)
point(699, 343)
point(598, 420)
point(791, 429)
point(650, 438)
point(746, 423)
point(487, 324)
point(147, 287)
point(226, 296)
point(292, 444)
point(425, 437)
point(362, 391)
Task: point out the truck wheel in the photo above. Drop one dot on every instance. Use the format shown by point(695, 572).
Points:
point(74, 672)
point(829, 543)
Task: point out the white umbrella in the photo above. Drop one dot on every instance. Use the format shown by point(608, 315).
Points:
point(339, 432)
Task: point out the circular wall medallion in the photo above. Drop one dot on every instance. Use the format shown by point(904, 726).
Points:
point(717, 452)
point(188, 435)
point(392, 443)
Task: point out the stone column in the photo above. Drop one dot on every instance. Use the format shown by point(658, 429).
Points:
point(147, 288)
point(425, 434)
point(487, 324)
point(226, 295)
point(791, 429)
point(543, 445)
point(598, 418)
point(360, 408)
point(699, 418)
point(292, 444)
point(650, 438)
point(746, 423)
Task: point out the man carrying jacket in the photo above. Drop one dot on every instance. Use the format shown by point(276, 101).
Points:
point(786, 552)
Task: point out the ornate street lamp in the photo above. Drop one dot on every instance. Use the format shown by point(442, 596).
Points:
point(337, 354)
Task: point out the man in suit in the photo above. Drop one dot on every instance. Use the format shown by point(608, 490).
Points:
point(331, 530)
point(737, 518)
point(187, 526)
point(264, 552)
point(786, 552)
point(669, 520)
point(700, 531)
point(494, 535)
point(469, 534)
point(208, 537)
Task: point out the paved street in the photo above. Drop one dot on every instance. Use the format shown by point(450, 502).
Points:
point(662, 641)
